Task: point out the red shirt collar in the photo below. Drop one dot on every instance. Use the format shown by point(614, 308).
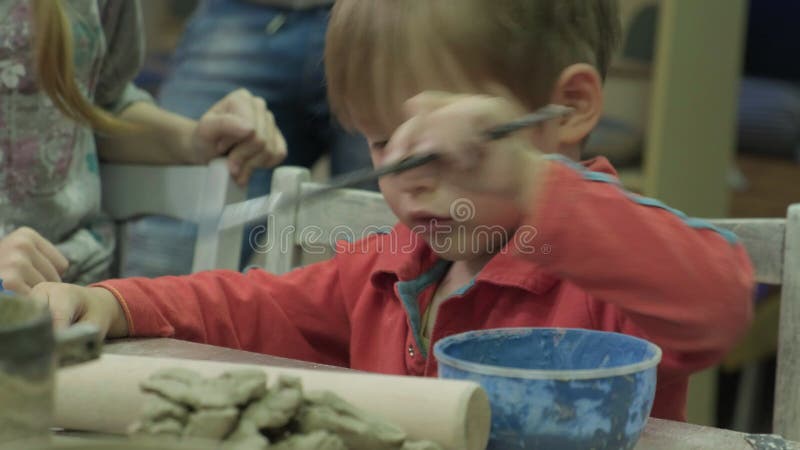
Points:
point(413, 257)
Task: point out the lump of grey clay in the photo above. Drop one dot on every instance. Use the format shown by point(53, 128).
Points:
point(181, 375)
point(388, 433)
point(249, 383)
point(277, 407)
point(211, 423)
point(218, 393)
point(288, 381)
point(174, 390)
point(324, 418)
point(421, 445)
point(237, 406)
point(156, 407)
point(190, 389)
point(246, 437)
point(318, 440)
point(328, 412)
point(165, 426)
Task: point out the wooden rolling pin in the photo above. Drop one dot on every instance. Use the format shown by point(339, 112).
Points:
point(104, 396)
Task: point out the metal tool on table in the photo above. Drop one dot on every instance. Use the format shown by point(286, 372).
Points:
point(261, 207)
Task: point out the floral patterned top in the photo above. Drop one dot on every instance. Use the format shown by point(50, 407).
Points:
point(49, 177)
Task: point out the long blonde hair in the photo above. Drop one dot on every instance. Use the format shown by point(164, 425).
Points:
point(56, 69)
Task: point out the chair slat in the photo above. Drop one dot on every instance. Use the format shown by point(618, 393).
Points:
point(181, 192)
point(787, 388)
point(763, 239)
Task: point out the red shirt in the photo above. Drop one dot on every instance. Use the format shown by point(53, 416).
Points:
point(599, 258)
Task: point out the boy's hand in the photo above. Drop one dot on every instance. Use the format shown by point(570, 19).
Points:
point(241, 126)
point(27, 259)
point(71, 304)
point(452, 126)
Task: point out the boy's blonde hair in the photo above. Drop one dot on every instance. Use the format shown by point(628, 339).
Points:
point(56, 69)
point(380, 51)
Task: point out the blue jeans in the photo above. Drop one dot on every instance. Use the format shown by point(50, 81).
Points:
point(276, 54)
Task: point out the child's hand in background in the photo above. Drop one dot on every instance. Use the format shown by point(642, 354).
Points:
point(71, 304)
point(452, 126)
point(241, 126)
point(27, 259)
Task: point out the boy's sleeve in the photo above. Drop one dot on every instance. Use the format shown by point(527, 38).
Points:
point(124, 56)
point(298, 315)
point(681, 282)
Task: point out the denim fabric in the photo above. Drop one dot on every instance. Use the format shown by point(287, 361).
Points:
point(276, 54)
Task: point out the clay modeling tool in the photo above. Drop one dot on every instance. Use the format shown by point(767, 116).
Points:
point(240, 213)
point(366, 175)
point(259, 208)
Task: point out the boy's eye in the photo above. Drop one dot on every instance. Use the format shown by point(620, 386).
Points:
point(379, 145)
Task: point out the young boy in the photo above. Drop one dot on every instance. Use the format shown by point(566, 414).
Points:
point(566, 246)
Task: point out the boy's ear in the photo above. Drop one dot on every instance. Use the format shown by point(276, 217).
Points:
point(579, 86)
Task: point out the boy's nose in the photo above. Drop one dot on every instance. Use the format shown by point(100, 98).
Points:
point(418, 180)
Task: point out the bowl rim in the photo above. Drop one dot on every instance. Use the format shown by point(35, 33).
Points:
point(542, 374)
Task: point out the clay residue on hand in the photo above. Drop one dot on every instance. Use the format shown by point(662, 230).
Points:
point(238, 410)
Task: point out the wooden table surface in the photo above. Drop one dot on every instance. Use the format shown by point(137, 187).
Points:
point(658, 435)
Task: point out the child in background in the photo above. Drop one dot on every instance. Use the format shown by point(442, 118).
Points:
point(546, 241)
point(65, 72)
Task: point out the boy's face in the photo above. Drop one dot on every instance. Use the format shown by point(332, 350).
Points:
point(457, 224)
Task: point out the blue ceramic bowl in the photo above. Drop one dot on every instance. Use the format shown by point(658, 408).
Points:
point(557, 388)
